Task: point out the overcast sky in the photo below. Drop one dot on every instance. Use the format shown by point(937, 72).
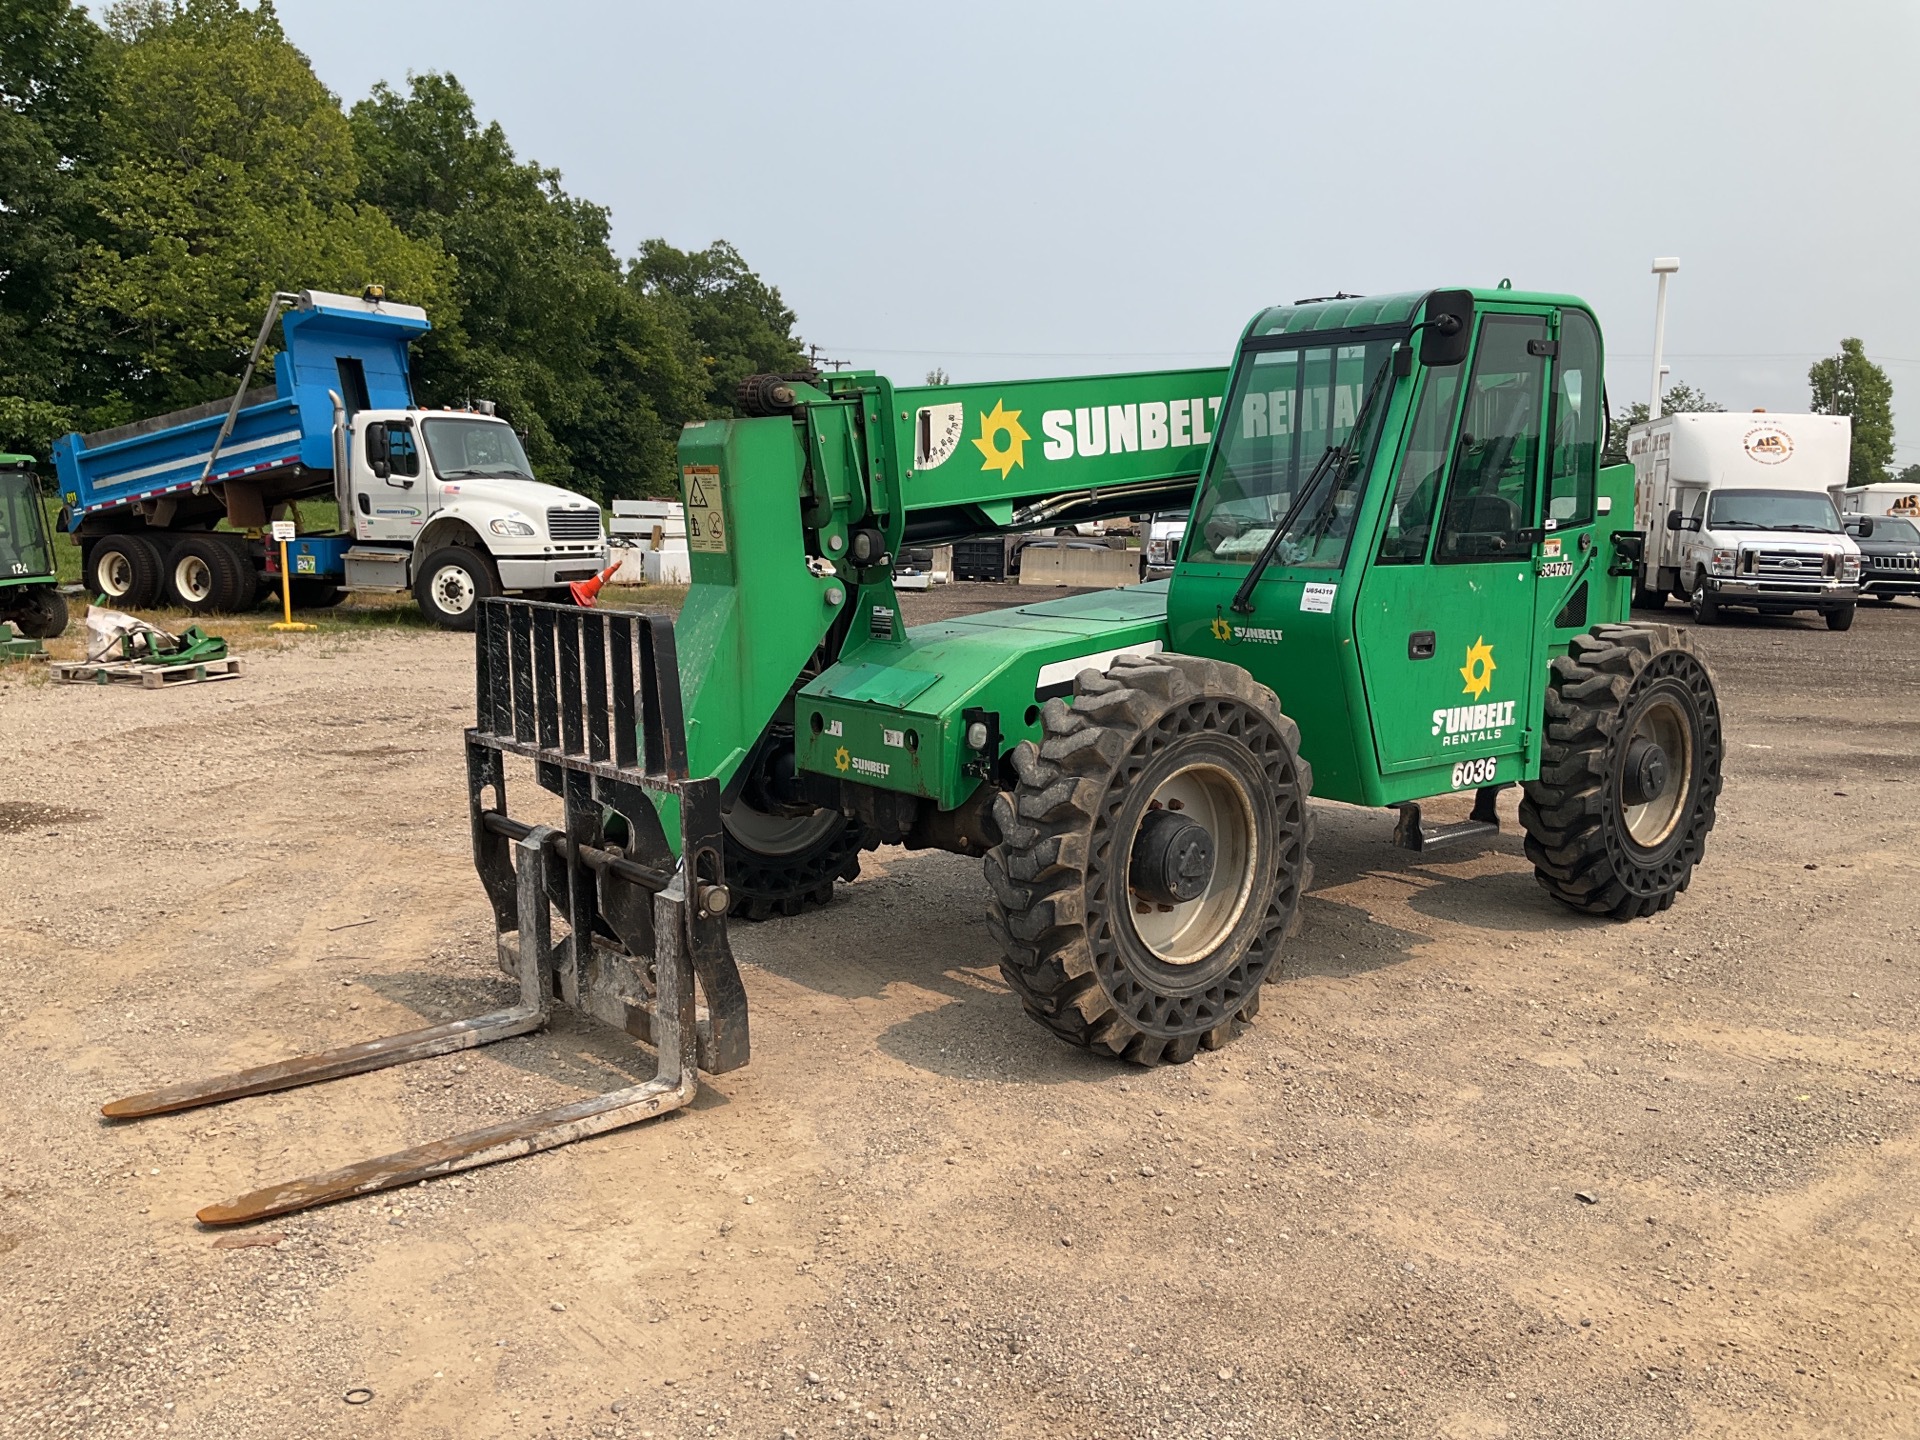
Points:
point(1037, 188)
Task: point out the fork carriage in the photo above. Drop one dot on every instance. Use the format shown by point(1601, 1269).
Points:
point(592, 699)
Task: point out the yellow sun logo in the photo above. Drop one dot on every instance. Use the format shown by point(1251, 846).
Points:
point(1478, 671)
point(1002, 440)
point(841, 758)
point(1221, 629)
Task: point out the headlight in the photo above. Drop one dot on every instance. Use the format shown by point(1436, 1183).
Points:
point(1849, 569)
point(1725, 561)
point(509, 526)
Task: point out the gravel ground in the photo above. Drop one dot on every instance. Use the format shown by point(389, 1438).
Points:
point(1483, 1167)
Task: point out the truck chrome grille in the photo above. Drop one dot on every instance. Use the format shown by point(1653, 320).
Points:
point(1788, 565)
point(573, 524)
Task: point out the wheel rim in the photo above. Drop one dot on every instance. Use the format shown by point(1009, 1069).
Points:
point(1185, 932)
point(453, 589)
point(114, 572)
point(780, 835)
point(193, 578)
point(1664, 725)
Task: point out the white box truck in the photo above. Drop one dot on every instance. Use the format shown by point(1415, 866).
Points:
point(1737, 514)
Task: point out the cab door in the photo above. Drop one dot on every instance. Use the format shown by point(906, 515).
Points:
point(1446, 624)
point(1571, 571)
point(390, 500)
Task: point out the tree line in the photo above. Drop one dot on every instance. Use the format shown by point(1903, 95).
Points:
point(1844, 384)
point(165, 169)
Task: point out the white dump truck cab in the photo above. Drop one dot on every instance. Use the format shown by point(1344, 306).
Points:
point(444, 503)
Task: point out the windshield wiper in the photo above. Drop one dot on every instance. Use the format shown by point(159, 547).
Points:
point(1343, 456)
point(513, 474)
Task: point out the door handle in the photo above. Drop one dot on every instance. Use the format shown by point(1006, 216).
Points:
point(1420, 645)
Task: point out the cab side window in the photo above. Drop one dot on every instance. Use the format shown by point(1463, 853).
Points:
point(1423, 468)
point(1573, 470)
point(1490, 492)
point(404, 449)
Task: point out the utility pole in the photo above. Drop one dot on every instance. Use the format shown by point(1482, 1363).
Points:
point(1663, 266)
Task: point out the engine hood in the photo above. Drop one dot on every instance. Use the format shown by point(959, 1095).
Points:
point(528, 495)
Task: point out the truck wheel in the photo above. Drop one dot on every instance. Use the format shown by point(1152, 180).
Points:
point(1706, 608)
point(1152, 859)
point(126, 570)
point(205, 573)
point(780, 864)
point(1629, 772)
point(1841, 619)
point(451, 585)
point(42, 614)
point(1645, 598)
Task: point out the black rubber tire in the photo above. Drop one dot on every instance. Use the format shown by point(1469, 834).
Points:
point(765, 886)
point(480, 577)
point(1645, 599)
point(1706, 608)
point(228, 574)
point(1841, 619)
point(1574, 814)
point(132, 585)
point(1072, 954)
point(39, 614)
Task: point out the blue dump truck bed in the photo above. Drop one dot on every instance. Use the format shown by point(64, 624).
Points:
point(281, 446)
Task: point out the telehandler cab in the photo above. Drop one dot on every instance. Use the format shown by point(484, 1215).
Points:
point(1405, 575)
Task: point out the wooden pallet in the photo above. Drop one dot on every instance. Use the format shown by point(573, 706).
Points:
point(147, 677)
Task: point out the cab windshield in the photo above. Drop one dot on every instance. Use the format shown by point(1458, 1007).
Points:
point(1287, 456)
point(1772, 510)
point(463, 449)
point(23, 527)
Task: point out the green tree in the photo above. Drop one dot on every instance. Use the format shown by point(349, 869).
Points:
point(1909, 476)
point(739, 322)
point(49, 106)
point(226, 171)
point(1850, 384)
point(938, 376)
point(597, 373)
point(1681, 399)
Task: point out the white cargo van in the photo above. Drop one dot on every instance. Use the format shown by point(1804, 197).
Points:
point(1737, 514)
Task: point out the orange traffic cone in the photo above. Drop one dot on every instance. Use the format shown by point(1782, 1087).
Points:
point(584, 591)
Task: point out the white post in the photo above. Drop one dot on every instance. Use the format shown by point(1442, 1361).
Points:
point(1663, 266)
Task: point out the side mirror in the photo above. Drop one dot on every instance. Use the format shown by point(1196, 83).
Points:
point(1447, 332)
point(379, 451)
point(1864, 528)
point(1675, 520)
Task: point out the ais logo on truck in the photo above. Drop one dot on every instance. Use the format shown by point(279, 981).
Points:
point(1475, 724)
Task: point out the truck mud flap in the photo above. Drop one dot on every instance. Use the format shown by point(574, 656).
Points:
point(592, 699)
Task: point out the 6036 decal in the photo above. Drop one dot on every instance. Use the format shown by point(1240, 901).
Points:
point(1475, 772)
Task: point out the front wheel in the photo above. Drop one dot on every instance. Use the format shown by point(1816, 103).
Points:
point(451, 584)
point(1629, 773)
point(42, 614)
point(1152, 857)
point(1706, 606)
point(1841, 619)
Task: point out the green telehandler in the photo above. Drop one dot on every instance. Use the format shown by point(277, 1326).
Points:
point(1405, 575)
point(30, 598)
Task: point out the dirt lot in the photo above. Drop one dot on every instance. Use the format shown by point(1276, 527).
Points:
point(1483, 1168)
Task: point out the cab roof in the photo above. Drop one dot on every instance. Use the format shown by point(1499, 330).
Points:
point(17, 462)
point(1347, 312)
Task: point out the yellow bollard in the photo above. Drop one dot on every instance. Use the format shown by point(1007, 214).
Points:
point(283, 532)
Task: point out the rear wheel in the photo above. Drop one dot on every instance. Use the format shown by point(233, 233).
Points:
point(205, 573)
point(42, 613)
point(1152, 859)
point(451, 584)
point(1629, 773)
point(780, 864)
point(125, 570)
point(1841, 619)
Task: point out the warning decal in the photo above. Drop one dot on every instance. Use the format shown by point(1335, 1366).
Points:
point(706, 525)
